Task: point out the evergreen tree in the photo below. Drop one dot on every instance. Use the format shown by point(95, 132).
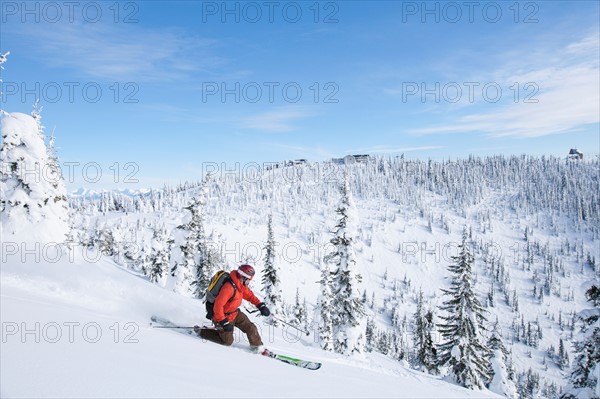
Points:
point(3, 59)
point(591, 262)
point(209, 262)
point(528, 385)
point(105, 241)
point(490, 297)
point(348, 313)
point(135, 257)
point(370, 334)
point(426, 353)
point(186, 275)
point(198, 257)
point(270, 278)
point(34, 203)
point(159, 257)
point(299, 310)
point(585, 381)
point(563, 356)
point(501, 366)
point(463, 350)
point(325, 310)
point(208, 258)
point(55, 177)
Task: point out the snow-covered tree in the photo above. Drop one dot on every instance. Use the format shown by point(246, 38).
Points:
point(209, 262)
point(563, 356)
point(206, 258)
point(324, 310)
point(270, 277)
point(528, 385)
point(159, 257)
point(299, 311)
point(370, 334)
point(198, 259)
point(186, 279)
point(135, 257)
point(348, 313)
point(3, 59)
point(425, 351)
point(34, 203)
point(464, 350)
point(105, 241)
point(58, 182)
point(585, 377)
point(503, 376)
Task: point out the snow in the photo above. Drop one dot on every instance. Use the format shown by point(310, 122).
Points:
point(455, 352)
point(76, 328)
point(588, 313)
point(36, 208)
point(500, 383)
point(408, 228)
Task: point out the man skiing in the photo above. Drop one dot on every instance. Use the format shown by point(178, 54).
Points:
point(228, 315)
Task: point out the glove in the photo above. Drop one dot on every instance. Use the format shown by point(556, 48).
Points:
point(264, 310)
point(226, 325)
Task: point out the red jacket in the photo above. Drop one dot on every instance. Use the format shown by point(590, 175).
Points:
point(224, 308)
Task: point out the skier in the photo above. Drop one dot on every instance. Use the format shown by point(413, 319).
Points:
point(228, 315)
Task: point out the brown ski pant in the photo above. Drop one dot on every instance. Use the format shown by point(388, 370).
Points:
point(242, 322)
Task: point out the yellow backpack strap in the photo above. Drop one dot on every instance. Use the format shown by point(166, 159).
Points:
point(215, 279)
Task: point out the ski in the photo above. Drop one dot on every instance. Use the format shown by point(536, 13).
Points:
point(305, 364)
point(159, 322)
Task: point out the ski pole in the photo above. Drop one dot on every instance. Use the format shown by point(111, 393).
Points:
point(281, 320)
point(291, 325)
point(170, 326)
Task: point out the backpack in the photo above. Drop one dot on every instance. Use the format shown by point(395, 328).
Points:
point(214, 287)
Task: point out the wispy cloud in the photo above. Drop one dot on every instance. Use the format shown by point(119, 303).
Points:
point(280, 120)
point(125, 52)
point(568, 98)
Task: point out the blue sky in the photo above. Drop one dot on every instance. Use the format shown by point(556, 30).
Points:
point(162, 91)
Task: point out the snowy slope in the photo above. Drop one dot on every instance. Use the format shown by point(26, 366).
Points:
point(79, 328)
point(532, 224)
